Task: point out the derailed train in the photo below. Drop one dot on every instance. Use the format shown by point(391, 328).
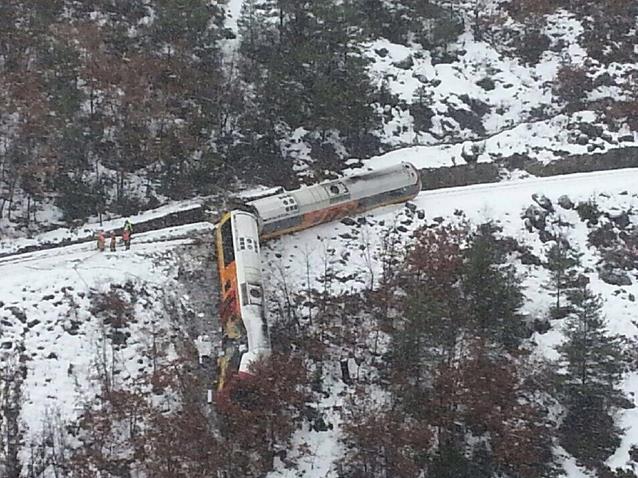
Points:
point(237, 236)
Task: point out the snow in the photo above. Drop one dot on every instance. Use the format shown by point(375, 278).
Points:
point(90, 229)
point(628, 421)
point(520, 95)
point(53, 288)
point(53, 285)
point(336, 246)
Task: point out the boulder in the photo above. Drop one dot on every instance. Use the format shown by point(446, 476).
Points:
point(614, 277)
point(18, 313)
point(404, 64)
point(621, 219)
point(565, 202)
point(582, 139)
point(536, 216)
point(486, 83)
point(543, 201)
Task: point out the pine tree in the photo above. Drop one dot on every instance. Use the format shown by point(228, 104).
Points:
point(561, 262)
point(594, 362)
point(491, 290)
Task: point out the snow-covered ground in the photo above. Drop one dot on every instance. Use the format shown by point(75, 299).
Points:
point(47, 318)
point(90, 229)
point(46, 297)
point(348, 249)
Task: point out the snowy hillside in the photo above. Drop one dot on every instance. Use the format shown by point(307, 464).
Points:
point(386, 361)
point(73, 315)
point(352, 250)
point(54, 326)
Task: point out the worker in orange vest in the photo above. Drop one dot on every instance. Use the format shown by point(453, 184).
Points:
point(126, 237)
point(100, 241)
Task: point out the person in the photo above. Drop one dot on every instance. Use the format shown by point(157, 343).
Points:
point(100, 241)
point(113, 241)
point(127, 232)
point(129, 226)
point(126, 237)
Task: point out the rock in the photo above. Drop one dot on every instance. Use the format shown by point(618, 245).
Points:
point(1, 304)
point(582, 139)
point(608, 137)
point(421, 77)
point(18, 313)
point(6, 345)
point(565, 202)
point(48, 297)
point(620, 219)
point(536, 217)
point(411, 206)
point(541, 326)
point(614, 277)
point(631, 298)
point(486, 83)
point(420, 214)
point(404, 64)
point(591, 130)
point(52, 355)
point(543, 201)
point(626, 138)
point(33, 323)
point(438, 219)
point(382, 52)
point(402, 229)
point(320, 425)
point(348, 221)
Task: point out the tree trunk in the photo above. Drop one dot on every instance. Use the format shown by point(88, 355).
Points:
point(28, 208)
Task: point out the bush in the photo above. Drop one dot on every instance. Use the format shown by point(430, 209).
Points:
point(588, 211)
point(572, 85)
point(531, 46)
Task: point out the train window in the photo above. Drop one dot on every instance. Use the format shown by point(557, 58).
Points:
point(227, 243)
point(337, 189)
point(255, 295)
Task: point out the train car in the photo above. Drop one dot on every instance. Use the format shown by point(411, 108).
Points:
point(302, 208)
point(242, 312)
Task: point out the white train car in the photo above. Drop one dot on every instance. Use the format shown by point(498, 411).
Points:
point(242, 311)
point(302, 208)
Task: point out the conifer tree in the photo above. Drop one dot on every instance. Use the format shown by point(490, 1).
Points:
point(491, 289)
point(561, 262)
point(594, 362)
